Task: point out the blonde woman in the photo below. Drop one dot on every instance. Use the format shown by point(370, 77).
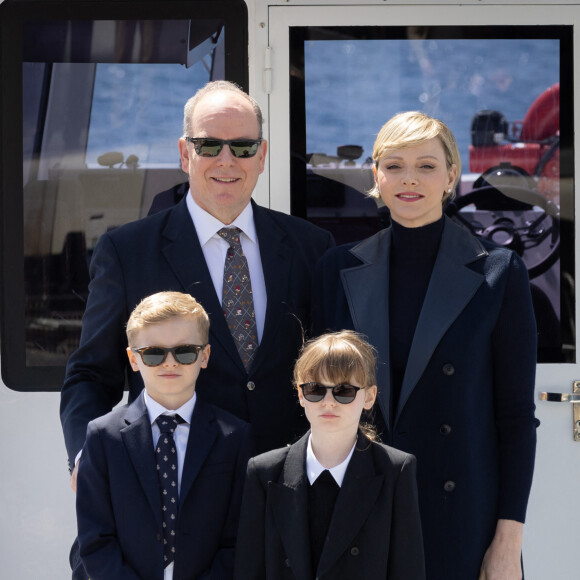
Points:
point(451, 318)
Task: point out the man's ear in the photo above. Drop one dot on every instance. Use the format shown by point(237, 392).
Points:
point(263, 149)
point(132, 359)
point(184, 155)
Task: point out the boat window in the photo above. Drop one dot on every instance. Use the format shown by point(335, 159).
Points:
point(95, 113)
point(502, 91)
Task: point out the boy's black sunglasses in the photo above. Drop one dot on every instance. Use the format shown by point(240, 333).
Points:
point(315, 392)
point(240, 148)
point(184, 354)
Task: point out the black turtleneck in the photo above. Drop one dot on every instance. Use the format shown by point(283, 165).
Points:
point(413, 253)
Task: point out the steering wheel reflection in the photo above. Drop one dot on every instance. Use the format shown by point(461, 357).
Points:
point(520, 230)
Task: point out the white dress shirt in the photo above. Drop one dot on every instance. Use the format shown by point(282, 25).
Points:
point(180, 436)
point(314, 468)
point(214, 249)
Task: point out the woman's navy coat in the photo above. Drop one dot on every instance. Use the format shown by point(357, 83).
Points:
point(466, 407)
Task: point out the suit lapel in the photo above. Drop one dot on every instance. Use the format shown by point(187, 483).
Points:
point(289, 502)
point(450, 289)
point(202, 434)
point(356, 499)
point(137, 438)
point(276, 258)
point(184, 255)
point(367, 292)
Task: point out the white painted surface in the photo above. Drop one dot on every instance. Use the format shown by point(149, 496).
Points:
point(551, 532)
point(37, 519)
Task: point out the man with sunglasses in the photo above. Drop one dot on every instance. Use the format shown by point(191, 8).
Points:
point(184, 248)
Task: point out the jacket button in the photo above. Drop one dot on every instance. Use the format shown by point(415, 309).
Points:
point(251, 385)
point(159, 538)
point(287, 563)
point(354, 551)
point(449, 486)
point(444, 429)
point(448, 369)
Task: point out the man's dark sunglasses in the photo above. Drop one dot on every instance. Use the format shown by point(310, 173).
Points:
point(315, 392)
point(240, 148)
point(184, 354)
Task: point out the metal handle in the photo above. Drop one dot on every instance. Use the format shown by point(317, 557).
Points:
point(573, 398)
point(560, 397)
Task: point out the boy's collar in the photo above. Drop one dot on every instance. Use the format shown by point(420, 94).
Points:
point(154, 409)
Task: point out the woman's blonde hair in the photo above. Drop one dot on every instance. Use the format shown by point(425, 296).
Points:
point(164, 306)
point(339, 357)
point(415, 128)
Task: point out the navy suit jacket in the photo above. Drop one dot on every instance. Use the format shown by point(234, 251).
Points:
point(119, 499)
point(374, 533)
point(169, 197)
point(466, 406)
point(162, 252)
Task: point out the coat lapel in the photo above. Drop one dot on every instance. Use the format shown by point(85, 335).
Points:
point(450, 289)
point(276, 258)
point(289, 502)
point(202, 434)
point(184, 255)
point(367, 292)
point(356, 499)
point(137, 437)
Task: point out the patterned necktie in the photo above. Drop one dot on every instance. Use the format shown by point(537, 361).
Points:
point(237, 301)
point(166, 456)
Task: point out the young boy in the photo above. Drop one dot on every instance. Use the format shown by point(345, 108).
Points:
point(160, 480)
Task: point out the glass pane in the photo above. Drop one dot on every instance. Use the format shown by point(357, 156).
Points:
point(502, 92)
point(102, 113)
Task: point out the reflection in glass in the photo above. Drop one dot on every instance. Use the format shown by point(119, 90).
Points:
point(501, 91)
point(102, 113)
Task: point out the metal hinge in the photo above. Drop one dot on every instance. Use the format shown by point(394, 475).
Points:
point(267, 73)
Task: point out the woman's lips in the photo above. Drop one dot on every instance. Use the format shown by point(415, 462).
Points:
point(409, 196)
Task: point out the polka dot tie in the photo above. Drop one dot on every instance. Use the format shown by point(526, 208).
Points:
point(237, 301)
point(166, 456)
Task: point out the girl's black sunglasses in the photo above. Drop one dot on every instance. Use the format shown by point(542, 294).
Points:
point(184, 354)
point(315, 392)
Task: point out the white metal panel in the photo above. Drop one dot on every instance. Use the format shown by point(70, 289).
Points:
point(550, 537)
point(37, 509)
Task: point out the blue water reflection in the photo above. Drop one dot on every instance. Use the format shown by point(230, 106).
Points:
point(354, 86)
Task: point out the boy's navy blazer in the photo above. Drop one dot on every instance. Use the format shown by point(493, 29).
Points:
point(466, 406)
point(162, 252)
point(119, 499)
point(374, 533)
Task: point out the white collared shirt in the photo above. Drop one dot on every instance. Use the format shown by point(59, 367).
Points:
point(314, 468)
point(214, 249)
point(180, 436)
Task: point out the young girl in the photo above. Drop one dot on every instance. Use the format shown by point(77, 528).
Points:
point(335, 505)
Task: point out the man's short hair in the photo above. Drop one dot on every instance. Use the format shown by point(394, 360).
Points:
point(212, 87)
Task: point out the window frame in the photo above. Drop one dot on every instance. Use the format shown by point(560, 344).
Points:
point(16, 374)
